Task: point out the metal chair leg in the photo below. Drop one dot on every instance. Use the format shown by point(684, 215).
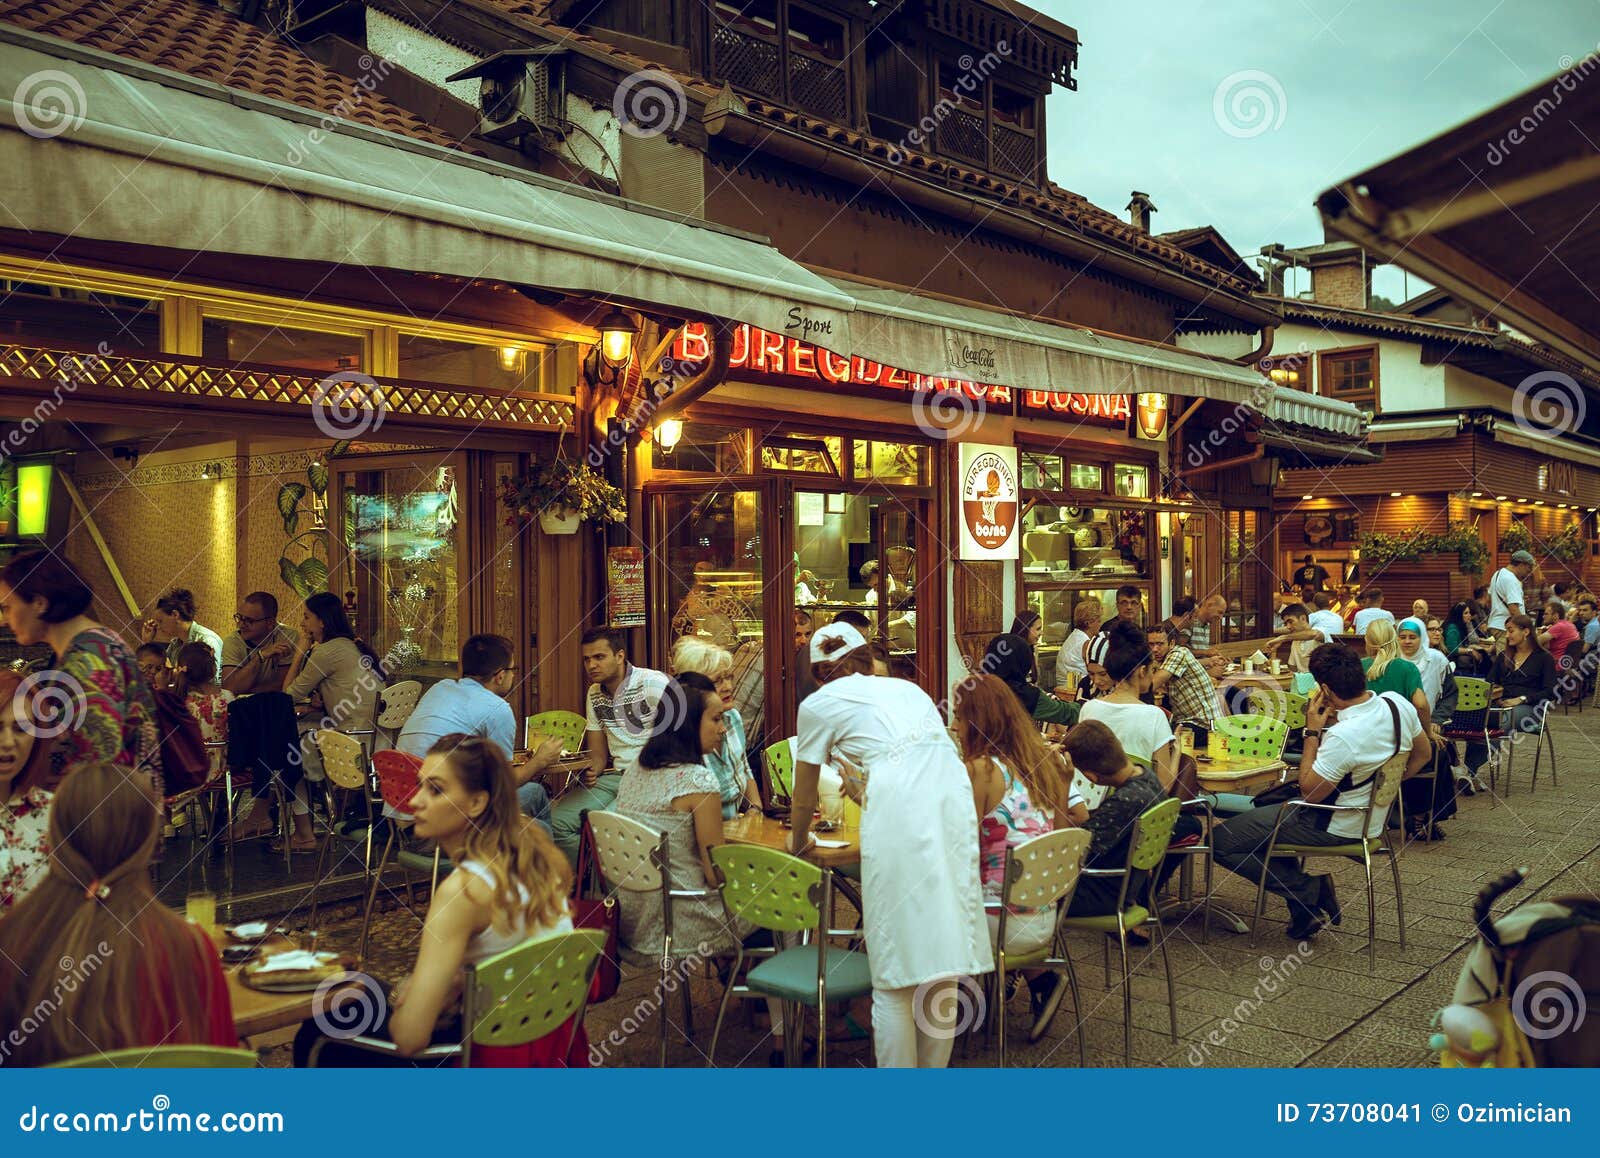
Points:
point(1399, 900)
point(1372, 912)
point(1166, 962)
point(372, 895)
point(1077, 1006)
point(997, 1007)
point(789, 1027)
point(661, 997)
point(1127, 994)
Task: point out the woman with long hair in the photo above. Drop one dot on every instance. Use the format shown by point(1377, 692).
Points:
point(509, 887)
point(91, 943)
point(1021, 791)
point(1460, 627)
point(921, 894)
point(1010, 658)
point(24, 801)
point(1029, 625)
point(340, 679)
point(45, 601)
point(1144, 729)
point(1523, 677)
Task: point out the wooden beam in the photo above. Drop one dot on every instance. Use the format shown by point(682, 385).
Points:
point(99, 542)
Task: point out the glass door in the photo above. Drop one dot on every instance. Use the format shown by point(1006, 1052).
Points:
point(401, 552)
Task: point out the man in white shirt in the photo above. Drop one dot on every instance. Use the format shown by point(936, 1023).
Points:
point(1300, 635)
point(1374, 610)
point(1350, 734)
point(1506, 597)
point(622, 707)
point(1324, 618)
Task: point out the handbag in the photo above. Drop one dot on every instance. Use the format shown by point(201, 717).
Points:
point(592, 911)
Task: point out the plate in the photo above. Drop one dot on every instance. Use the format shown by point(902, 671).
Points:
point(252, 939)
point(268, 984)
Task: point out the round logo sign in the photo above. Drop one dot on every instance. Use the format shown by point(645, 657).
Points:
point(989, 500)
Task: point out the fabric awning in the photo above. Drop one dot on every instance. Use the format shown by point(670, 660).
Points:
point(1333, 415)
point(927, 335)
point(1414, 430)
point(163, 159)
point(1500, 211)
point(1564, 448)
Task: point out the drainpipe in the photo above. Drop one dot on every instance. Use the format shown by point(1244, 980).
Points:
point(1254, 456)
point(1262, 350)
point(714, 374)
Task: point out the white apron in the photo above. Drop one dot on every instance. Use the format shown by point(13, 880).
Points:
point(919, 867)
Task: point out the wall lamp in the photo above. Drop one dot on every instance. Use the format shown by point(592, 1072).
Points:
point(612, 353)
point(667, 433)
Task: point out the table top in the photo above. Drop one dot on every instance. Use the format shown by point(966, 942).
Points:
point(758, 828)
point(1238, 773)
point(256, 1012)
point(1262, 675)
point(561, 772)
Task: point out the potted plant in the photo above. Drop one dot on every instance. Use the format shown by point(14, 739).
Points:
point(564, 493)
point(1517, 537)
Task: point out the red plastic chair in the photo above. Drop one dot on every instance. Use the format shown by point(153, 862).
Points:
point(397, 784)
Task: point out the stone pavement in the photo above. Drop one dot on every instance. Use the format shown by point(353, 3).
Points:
point(1276, 1005)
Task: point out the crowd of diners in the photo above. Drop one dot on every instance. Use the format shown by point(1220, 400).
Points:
point(942, 799)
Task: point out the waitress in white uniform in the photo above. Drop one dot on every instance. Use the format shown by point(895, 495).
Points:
point(923, 902)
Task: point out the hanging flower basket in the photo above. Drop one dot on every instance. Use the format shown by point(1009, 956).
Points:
point(564, 521)
point(563, 493)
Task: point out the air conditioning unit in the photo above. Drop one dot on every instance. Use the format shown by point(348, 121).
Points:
point(521, 92)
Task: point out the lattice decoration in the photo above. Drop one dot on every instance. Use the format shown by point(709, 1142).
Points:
point(73, 368)
point(961, 135)
point(1013, 152)
point(818, 87)
point(747, 62)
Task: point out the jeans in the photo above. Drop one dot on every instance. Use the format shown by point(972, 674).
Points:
point(1239, 844)
point(535, 801)
point(566, 816)
point(1097, 896)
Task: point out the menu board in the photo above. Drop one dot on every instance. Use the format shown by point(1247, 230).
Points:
point(625, 586)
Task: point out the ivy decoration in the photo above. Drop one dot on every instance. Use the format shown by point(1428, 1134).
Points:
point(308, 575)
point(1378, 550)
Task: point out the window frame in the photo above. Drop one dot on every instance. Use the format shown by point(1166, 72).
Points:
point(1349, 353)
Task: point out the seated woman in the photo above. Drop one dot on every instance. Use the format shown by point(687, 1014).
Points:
point(1010, 657)
point(1021, 791)
point(1087, 616)
point(509, 887)
point(140, 974)
point(24, 802)
point(673, 792)
point(1388, 671)
point(1427, 799)
point(1144, 729)
point(341, 679)
point(731, 761)
point(152, 661)
point(1524, 679)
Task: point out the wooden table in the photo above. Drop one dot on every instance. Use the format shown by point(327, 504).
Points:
point(561, 774)
point(254, 1011)
point(1246, 774)
point(758, 828)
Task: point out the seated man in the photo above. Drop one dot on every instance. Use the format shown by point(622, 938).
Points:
point(173, 621)
point(1191, 694)
point(1300, 635)
point(475, 705)
point(256, 656)
point(1350, 734)
point(622, 709)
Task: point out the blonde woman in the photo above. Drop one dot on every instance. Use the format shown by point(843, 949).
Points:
point(1389, 671)
point(731, 761)
point(509, 887)
point(1087, 617)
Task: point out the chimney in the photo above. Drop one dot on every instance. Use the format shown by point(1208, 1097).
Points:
point(1340, 276)
point(1140, 207)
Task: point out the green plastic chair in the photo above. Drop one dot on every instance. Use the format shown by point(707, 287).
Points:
point(1474, 721)
point(1152, 834)
point(1290, 707)
point(1304, 683)
point(1254, 736)
point(779, 760)
point(1385, 788)
point(568, 727)
point(784, 894)
point(513, 998)
point(164, 1057)
point(1040, 873)
point(635, 859)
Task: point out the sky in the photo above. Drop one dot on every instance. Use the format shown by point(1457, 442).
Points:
point(1167, 99)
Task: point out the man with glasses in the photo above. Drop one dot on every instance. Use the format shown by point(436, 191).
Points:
point(255, 656)
point(475, 705)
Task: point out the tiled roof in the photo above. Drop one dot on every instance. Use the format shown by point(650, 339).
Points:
point(202, 41)
point(1052, 203)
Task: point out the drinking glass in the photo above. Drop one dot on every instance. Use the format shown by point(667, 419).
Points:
point(201, 909)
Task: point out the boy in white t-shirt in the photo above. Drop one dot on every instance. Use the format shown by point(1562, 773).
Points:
point(1350, 734)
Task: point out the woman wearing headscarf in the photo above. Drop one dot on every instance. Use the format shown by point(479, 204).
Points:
point(1010, 657)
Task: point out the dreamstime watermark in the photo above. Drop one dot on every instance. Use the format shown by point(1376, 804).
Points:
point(73, 973)
point(650, 102)
point(1549, 403)
point(946, 414)
point(49, 703)
point(348, 404)
point(374, 69)
point(348, 1006)
point(674, 374)
point(1548, 1004)
point(969, 83)
point(74, 370)
point(1275, 974)
point(1242, 417)
point(49, 103)
point(1572, 74)
point(1248, 103)
point(947, 1007)
point(677, 973)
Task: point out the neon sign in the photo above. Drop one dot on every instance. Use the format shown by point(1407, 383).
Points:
point(758, 351)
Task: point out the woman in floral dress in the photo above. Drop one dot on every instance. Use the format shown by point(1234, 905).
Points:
point(24, 802)
point(94, 700)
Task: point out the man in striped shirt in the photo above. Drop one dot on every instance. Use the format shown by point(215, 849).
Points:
point(1188, 688)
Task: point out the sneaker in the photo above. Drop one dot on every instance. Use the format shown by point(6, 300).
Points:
point(1044, 1006)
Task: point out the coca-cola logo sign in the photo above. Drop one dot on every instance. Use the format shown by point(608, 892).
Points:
point(962, 356)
